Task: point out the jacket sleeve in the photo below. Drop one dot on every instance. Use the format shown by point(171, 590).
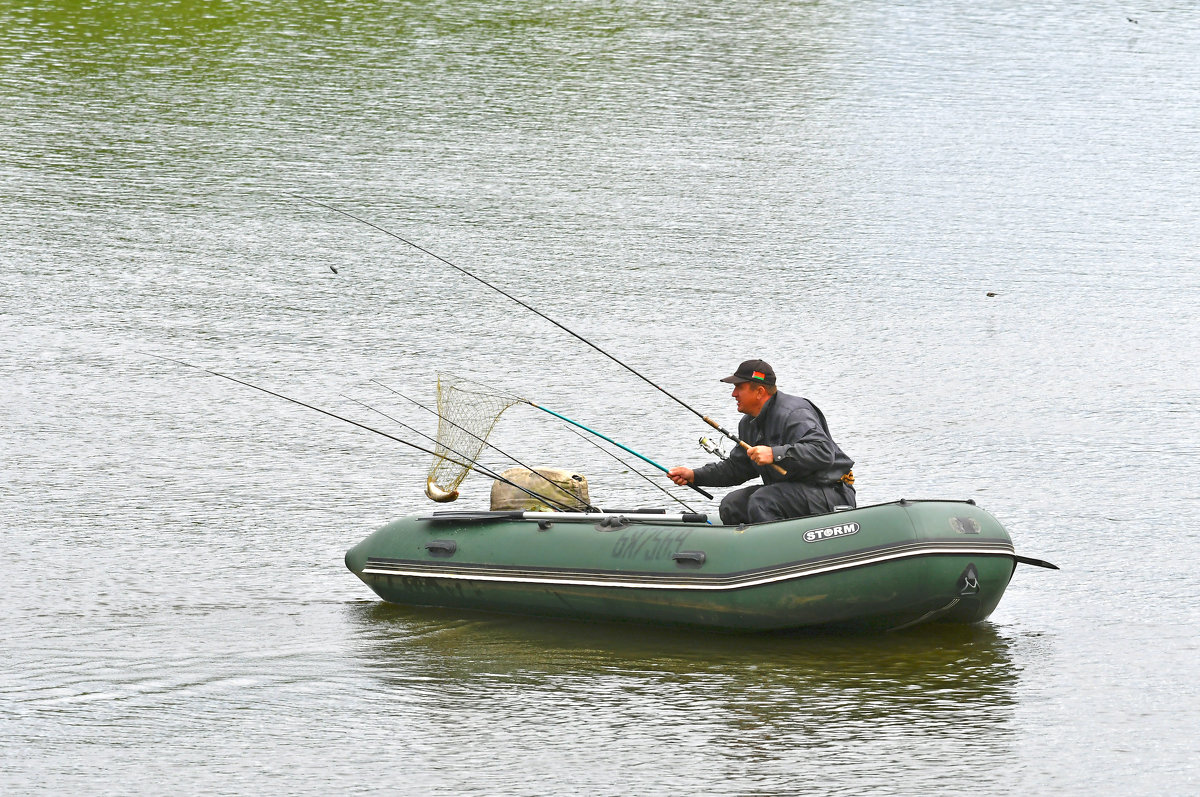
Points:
point(737, 468)
point(809, 449)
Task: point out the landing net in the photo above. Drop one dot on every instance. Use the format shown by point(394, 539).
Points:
point(467, 414)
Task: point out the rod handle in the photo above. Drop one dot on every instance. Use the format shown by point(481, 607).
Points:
point(746, 446)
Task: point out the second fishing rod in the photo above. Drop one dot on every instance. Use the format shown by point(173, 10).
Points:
point(472, 465)
point(537, 312)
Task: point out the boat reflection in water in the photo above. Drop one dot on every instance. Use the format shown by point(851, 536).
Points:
point(714, 712)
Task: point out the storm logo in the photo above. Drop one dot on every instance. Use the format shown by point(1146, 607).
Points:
point(816, 535)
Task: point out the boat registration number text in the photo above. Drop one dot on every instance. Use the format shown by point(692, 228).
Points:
point(649, 543)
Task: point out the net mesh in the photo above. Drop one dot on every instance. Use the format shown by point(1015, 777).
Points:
point(467, 414)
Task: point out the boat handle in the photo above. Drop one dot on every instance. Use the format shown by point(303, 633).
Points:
point(692, 558)
point(612, 523)
point(442, 547)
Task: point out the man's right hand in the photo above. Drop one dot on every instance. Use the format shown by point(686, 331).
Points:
point(681, 475)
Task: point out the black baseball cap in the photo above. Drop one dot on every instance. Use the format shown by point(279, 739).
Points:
point(752, 371)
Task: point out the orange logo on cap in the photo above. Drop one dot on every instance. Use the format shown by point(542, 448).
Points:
point(759, 375)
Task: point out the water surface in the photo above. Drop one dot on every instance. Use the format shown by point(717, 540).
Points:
point(836, 187)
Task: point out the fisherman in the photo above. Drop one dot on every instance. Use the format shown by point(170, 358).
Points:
point(782, 430)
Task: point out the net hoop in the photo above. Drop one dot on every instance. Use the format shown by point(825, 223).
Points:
point(467, 414)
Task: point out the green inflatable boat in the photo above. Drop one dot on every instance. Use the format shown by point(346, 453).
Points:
point(880, 567)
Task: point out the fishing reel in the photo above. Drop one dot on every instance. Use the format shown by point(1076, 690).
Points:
point(712, 448)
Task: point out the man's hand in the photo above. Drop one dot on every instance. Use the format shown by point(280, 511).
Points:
point(681, 475)
point(761, 455)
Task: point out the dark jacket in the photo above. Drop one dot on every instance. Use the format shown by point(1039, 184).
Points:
point(799, 437)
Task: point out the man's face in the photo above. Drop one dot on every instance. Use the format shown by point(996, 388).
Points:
point(750, 398)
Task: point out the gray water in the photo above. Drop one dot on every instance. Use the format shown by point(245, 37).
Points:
point(836, 187)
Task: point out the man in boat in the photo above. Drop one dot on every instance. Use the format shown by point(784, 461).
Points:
point(782, 430)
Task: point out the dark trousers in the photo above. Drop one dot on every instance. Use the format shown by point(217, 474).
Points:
point(761, 503)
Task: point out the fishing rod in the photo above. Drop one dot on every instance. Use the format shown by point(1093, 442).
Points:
point(324, 412)
point(588, 429)
point(535, 311)
point(632, 469)
point(479, 466)
point(605, 437)
point(477, 437)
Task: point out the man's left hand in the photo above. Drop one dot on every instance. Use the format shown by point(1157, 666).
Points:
point(761, 455)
